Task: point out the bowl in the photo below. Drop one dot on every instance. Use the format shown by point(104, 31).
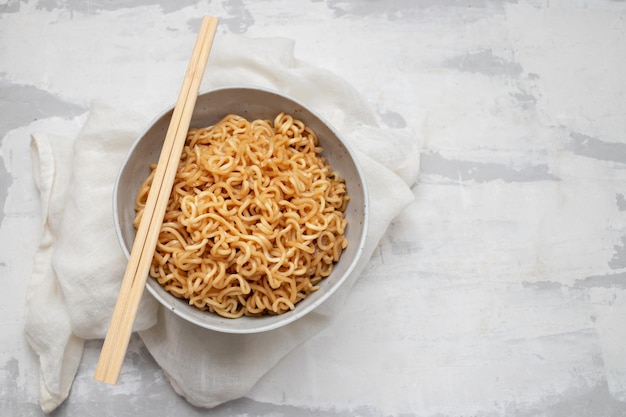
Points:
point(251, 103)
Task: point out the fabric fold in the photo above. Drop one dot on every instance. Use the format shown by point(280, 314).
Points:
point(48, 327)
point(87, 259)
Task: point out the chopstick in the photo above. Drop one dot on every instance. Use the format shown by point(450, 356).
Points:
point(125, 312)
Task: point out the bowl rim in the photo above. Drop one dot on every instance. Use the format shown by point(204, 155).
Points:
point(287, 317)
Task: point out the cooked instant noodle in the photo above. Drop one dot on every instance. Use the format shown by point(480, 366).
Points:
point(255, 220)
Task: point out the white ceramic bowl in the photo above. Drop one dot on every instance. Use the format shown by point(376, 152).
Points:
point(251, 103)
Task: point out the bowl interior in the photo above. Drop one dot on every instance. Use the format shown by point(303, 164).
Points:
point(251, 103)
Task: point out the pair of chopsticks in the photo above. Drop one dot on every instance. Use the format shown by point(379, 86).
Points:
point(120, 329)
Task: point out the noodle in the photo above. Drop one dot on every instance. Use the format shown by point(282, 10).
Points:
point(255, 220)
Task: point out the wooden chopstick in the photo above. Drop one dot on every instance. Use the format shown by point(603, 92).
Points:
point(120, 329)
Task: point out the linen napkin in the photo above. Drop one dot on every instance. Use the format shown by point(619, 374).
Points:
point(79, 265)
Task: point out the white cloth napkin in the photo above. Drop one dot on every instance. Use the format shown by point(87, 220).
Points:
point(79, 264)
